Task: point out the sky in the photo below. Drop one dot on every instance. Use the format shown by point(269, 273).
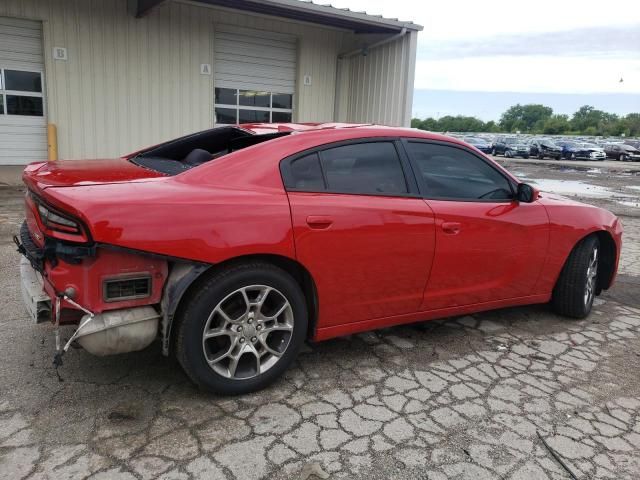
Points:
point(563, 53)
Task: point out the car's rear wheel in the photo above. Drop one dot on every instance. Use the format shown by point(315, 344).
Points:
point(493, 152)
point(242, 328)
point(541, 156)
point(576, 288)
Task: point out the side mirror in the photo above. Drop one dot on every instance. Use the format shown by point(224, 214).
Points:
point(527, 193)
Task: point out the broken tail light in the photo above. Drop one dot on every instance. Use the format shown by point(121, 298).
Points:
point(55, 221)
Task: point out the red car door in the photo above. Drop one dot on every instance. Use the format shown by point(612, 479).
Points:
point(489, 246)
point(361, 229)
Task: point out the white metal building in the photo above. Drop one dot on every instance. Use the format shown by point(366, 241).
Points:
point(116, 75)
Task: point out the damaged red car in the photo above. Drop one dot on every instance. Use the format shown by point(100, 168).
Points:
point(234, 245)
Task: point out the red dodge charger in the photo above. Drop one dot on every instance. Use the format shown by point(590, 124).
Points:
point(236, 244)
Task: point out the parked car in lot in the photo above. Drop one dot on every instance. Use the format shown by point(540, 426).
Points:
point(591, 151)
point(622, 152)
point(237, 244)
point(510, 147)
point(542, 147)
point(480, 143)
point(573, 150)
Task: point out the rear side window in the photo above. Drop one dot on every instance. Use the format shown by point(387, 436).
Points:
point(306, 174)
point(365, 168)
point(453, 173)
point(370, 168)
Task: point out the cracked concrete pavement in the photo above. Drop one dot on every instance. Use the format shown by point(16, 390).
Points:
point(460, 398)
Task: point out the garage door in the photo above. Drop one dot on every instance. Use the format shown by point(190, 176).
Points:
point(254, 74)
point(23, 134)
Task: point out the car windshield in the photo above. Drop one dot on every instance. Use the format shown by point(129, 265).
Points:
point(511, 141)
point(474, 140)
point(548, 143)
point(176, 156)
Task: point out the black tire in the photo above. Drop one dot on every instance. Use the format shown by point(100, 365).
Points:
point(493, 152)
point(507, 153)
point(193, 320)
point(622, 157)
point(569, 294)
point(558, 157)
point(525, 156)
point(540, 156)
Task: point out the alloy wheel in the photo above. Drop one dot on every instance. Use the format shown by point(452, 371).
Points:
point(248, 332)
point(592, 275)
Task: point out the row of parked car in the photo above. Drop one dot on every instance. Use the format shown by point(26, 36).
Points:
point(557, 148)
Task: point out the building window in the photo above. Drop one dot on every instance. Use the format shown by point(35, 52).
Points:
point(234, 106)
point(21, 93)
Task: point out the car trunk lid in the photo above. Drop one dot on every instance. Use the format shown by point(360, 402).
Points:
point(74, 173)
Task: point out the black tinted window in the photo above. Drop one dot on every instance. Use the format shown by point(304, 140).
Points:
point(450, 172)
point(306, 174)
point(364, 168)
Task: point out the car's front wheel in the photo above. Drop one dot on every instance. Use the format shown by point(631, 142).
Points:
point(576, 288)
point(622, 157)
point(242, 328)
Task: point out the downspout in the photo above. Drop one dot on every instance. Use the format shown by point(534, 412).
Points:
point(365, 50)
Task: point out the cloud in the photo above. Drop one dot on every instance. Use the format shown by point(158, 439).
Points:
point(538, 73)
point(594, 42)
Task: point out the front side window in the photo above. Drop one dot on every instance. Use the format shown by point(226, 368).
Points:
point(21, 93)
point(233, 106)
point(453, 173)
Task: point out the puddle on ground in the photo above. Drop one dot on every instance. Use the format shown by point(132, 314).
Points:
point(575, 187)
point(629, 203)
point(582, 189)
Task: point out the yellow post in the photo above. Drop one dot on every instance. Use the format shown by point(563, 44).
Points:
point(52, 142)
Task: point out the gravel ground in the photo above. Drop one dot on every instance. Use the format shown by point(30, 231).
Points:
point(464, 398)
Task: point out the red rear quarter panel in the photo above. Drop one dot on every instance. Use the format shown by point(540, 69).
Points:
point(233, 206)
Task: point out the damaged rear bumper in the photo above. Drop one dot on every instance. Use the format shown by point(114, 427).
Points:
point(36, 301)
point(65, 283)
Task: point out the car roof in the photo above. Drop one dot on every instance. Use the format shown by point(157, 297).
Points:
point(353, 130)
point(262, 128)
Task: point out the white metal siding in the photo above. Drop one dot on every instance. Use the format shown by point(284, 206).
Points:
point(379, 85)
point(23, 139)
point(133, 82)
point(251, 59)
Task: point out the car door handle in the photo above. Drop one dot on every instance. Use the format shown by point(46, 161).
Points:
point(319, 222)
point(451, 228)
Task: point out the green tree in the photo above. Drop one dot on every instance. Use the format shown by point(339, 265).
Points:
point(460, 123)
point(539, 119)
point(630, 125)
point(525, 118)
point(588, 116)
point(556, 124)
